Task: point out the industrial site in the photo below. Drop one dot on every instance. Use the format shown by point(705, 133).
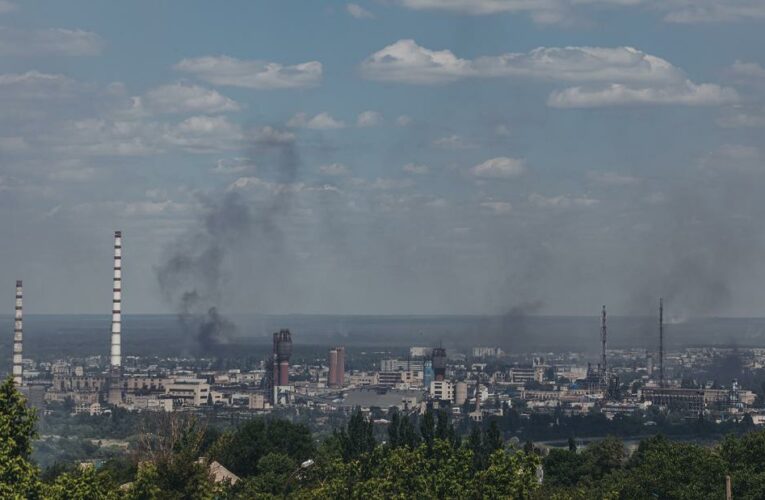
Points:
point(470, 384)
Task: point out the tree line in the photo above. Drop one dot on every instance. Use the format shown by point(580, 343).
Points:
point(421, 456)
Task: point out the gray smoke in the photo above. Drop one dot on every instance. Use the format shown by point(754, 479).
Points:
point(191, 275)
point(700, 242)
point(234, 239)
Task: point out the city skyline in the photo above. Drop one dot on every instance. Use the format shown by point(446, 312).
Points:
point(404, 157)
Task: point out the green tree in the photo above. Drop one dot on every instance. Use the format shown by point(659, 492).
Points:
point(241, 450)
point(19, 477)
point(83, 484)
point(357, 438)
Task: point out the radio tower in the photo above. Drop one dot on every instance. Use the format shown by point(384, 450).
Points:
point(661, 342)
point(603, 340)
point(18, 337)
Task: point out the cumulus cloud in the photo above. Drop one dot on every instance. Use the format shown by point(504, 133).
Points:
point(748, 70)
point(258, 75)
point(359, 12)
point(453, 141)
point(561, 201)
point(403, 120)
point(35, 85)
point(233, 166)
point(499, 168)
point(334, 169)
point(498, 207)
point(413, 168)
point(184, 98)
point(612, 178)
point(560, 11)
point(56, 42)
point(617, 94)
point(369, 119)
point(322, 121)
point(609, 76)
point(742, 118)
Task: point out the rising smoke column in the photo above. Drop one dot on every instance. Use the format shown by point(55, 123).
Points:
point(191, 275)
point(197, 269)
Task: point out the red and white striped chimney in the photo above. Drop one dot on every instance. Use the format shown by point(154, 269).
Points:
point(116, 352)
point(18, 336)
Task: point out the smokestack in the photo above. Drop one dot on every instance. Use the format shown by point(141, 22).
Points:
point(603, 340)
point(282, 353)
point(332, 377)
point(439, 363)
point(340, 374)
point(18, 336)
point(661, 342)
point(116, 352)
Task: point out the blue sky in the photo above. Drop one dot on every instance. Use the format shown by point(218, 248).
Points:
point(391, 156)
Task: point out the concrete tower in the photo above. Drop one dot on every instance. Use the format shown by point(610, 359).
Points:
point(115, 362)
point(282, 354)
point(438, 357)
point(331, 378)
point(340, 376)
point(18, 336)
point(116, 350)
point(661, 342)
point(603, 341)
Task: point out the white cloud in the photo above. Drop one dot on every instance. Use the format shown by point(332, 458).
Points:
point(617, 94)
point(184, 98)
point(741, 118)
point(57, 42)
point(382, 184)
point(748, 70)
point(453, 141)
point(561, 201)
point(560, 11)
point(233, 166)
point(413, 168)
point(334, 169)
point(322, 121)
point(498, 207)
point(259, 75)
point(35, 85)
point(270, 136)
point(612, 178)
point(358, 11)
point(403, 121)
point(621, 75)
point(499, 168)
point(369, 119)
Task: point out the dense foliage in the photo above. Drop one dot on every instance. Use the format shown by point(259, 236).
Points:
point(422, 457)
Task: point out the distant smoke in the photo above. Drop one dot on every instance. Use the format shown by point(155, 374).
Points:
point(191, 276)
point(232, 236)
point(699, 244)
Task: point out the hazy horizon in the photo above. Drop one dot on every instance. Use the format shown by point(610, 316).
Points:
point(483, 157)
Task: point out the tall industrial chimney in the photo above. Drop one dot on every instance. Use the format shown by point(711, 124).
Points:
point(603, 340)
point(116, 351)
point(18, 336)
point(114, 395)
point(340, 376)
point(282, 353)
point(661, 342)
point(438, 358)
point(332, 361)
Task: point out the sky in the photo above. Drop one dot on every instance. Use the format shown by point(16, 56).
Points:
point(384, 156)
